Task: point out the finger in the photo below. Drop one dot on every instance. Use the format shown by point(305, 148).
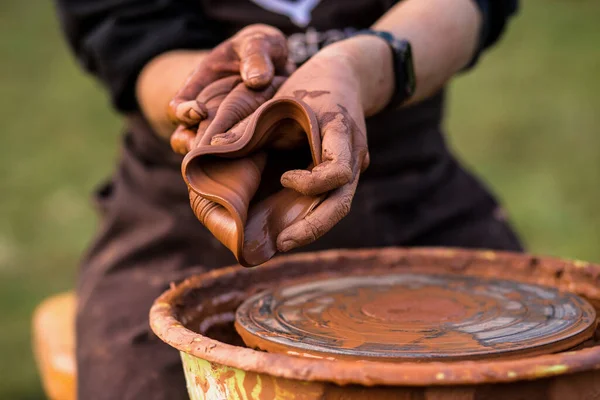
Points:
point(232, 135)
point(218, 88)
point(183, 102)
point(188, 92)
point(240, 103)
point(188, 113)
point(213, 107)
point(211, 97)
point(262, 50)
point(218, 64)
point(323, 178)
point(336, 169)
point(181, 139)
point(320, 220)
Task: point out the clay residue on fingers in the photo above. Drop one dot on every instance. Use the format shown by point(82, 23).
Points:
point(223, 177)
point(239, 104)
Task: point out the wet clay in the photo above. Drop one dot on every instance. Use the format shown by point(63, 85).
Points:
point(196, 318)
point(416, 317)
point(223, 174)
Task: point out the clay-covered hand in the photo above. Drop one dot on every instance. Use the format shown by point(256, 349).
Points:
point(255, 54)
point(227, 101)
point(330, 87)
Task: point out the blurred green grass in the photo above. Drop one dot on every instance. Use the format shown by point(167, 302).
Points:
point(527, 120)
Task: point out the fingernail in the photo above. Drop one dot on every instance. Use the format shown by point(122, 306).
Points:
point(289, 175)
point(253, 74)
point(286, 181)
point(187, 114)
point(193, 114)
point(254, 77)
point(287, 245)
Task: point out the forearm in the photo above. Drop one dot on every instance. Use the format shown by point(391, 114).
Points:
point(443, 35)
point(160, 80)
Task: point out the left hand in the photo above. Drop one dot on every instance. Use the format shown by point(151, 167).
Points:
point(330, 87)
point(255, 55)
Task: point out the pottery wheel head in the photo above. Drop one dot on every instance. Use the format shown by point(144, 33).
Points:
point(408, 317)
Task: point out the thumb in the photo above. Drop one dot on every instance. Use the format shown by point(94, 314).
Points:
point(262, 50)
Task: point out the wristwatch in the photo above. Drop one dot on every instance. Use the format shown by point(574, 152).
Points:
point(404, 70)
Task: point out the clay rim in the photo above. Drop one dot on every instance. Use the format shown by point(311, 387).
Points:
point(367, 373)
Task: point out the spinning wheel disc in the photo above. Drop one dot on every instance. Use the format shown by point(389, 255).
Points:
point(414, 317)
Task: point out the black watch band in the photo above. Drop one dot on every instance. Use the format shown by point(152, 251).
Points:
point(404, 70)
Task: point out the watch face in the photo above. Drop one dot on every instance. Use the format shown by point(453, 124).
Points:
point(404, 65)
point(409, 67)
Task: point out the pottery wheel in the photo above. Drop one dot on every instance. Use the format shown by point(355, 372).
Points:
point(414, 317)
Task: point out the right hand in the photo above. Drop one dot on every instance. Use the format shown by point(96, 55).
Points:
point(256, 53)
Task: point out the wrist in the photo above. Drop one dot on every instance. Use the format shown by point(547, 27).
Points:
point(371, 62)
point(337, 59)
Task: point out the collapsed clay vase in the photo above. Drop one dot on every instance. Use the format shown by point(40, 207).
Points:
point(404, 317)
point(223, 179)
point(197, 318)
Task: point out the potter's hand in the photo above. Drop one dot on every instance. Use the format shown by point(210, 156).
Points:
point(330, 87)
point(255, 55)
point(359, 77)
point(167, 99)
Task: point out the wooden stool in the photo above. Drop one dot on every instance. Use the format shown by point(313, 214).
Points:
point(54, 345)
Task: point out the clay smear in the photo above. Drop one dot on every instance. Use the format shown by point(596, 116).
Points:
point(416, 317)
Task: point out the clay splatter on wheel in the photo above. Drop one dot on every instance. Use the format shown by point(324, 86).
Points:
point(412, 317)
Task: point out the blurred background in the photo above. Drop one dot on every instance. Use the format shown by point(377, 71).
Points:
point(527, 120)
